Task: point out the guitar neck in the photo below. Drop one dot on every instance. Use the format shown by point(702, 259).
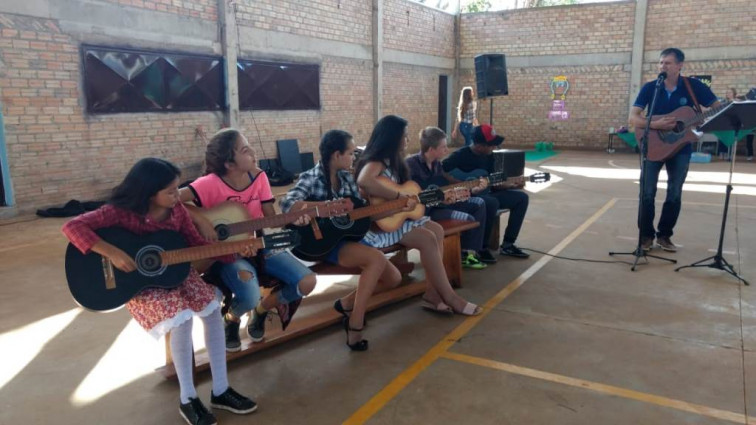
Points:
point(699, 118)
point(195, 253)
point(371, 210)
point(278, 220)
point(469, 184)
point(466, 184)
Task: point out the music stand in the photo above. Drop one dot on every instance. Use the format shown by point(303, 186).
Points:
point(736, 116)
point(643, 153)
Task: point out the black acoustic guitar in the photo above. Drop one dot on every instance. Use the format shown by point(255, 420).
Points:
point(162, 258)
point(469, 182)
point(323, 234)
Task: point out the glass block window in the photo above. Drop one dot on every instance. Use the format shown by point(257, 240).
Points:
point(126, 80)
point(278, 85)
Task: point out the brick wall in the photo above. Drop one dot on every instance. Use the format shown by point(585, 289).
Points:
point(412, 93)
point(341, 20)
point(204, 9)
point(589, 28)
point(705, 24)
point(598, 95)
point(346, 92)
point(55, 151)
point(700, 23)
point(412, 27)
point(597, 99)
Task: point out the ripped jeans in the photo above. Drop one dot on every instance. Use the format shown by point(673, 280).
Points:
point(246, 292)
point(280, 264)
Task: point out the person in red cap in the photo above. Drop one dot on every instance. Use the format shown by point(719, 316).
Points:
point(479, 156)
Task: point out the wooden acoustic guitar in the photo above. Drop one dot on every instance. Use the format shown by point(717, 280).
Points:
point(232, 222)
point(663, 144)
point(162, 258)
point(393, 222)
point(350, 227)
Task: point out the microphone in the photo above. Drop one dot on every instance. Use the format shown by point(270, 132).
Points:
point(662, 76)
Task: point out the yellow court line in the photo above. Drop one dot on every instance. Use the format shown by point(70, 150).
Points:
point(375, 404)
point(601, 388)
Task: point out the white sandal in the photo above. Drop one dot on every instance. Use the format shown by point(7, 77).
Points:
point(440, 308)
point(471, 310)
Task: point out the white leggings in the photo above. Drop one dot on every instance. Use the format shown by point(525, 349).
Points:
point(181, 350)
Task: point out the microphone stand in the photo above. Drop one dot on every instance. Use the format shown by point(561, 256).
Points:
point(639, 251)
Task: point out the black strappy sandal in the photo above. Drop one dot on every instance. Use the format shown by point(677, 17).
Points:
point(361, 345)
point(341, 310)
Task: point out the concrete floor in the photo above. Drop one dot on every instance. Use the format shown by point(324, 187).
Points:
point(567, 342)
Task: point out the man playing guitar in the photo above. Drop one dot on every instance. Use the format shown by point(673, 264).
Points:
point(678, 91)
point(480, 156)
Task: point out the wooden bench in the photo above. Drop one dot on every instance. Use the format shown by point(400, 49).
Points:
point(325, 315)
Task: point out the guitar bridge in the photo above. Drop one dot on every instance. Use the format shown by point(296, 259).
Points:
point(107, 273)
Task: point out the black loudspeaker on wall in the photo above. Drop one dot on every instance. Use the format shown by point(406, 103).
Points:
point(491, 75)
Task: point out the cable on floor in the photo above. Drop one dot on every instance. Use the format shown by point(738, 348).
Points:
point(587, 260)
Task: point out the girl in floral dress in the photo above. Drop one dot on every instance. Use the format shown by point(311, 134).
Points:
point(147, 201)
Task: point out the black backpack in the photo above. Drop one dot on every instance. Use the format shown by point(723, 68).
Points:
point(277, 176)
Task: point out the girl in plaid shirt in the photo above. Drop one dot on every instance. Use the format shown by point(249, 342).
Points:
point(328, 180)
point(147, 201)
point(466, 115)
point(383, 156)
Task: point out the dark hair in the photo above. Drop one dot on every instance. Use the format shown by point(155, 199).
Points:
point(385, 144)
point(430, 137)
point(332, 141)
point(679, 55)
point(145, 179)
point(220, 150)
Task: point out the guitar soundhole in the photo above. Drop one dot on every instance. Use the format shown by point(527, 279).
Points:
point(342, 222)
point(149, 262)
point(222, 231)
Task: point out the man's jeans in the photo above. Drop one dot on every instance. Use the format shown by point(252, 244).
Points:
point(677, 171)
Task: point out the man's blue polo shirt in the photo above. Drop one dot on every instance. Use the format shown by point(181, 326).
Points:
point(667, 102)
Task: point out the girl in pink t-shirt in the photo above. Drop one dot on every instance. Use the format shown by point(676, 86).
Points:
point(233, 175)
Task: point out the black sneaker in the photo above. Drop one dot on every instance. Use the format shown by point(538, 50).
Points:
point(233, 342)
point(256, 327)
point(512, 251)
point(195, 413)
point(486, 257)
point(233, 402)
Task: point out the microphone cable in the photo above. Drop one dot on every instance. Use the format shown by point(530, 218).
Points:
point(586, 260)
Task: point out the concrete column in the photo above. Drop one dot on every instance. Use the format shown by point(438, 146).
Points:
point(639, 39)
point(377, 60)
point(230, 43)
